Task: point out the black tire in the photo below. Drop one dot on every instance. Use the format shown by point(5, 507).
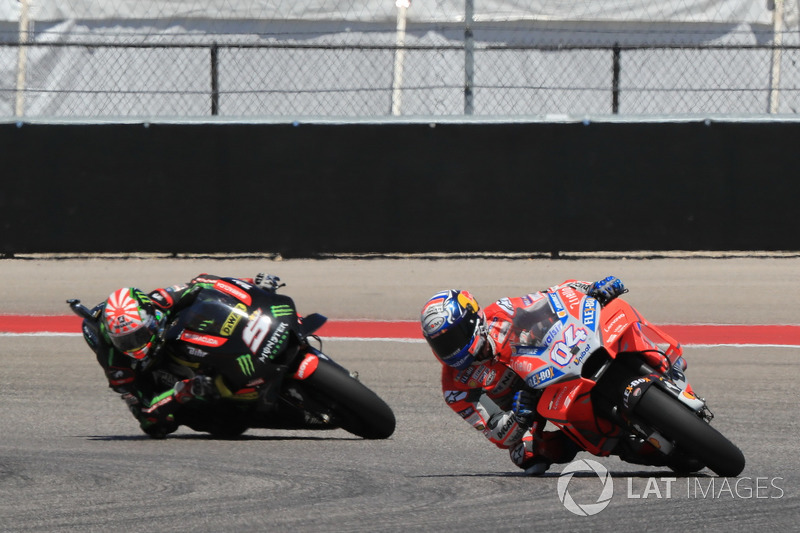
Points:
point(353, 406)
point(693, 435)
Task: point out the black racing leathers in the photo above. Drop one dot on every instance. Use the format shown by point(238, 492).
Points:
point(144, 385)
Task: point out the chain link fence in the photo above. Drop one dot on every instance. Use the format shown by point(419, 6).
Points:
point(376, 58)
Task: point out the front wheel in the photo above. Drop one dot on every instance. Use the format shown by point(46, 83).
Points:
point(349, 404)
point(692, 435)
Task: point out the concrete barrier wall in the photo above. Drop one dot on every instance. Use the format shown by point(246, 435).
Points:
point(313, 188)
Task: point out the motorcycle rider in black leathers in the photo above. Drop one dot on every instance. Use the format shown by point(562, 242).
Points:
point(126, 332)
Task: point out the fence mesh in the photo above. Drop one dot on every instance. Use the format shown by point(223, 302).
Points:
point(374, 58)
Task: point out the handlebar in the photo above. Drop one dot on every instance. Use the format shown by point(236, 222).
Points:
point(79, 309)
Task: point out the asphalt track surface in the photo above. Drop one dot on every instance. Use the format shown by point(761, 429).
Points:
point(72, 458)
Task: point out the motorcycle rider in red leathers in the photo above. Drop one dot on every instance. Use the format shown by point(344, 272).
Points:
point(473, 346)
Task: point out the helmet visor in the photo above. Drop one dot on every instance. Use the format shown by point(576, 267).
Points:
point(449, 344)
point(137, 339)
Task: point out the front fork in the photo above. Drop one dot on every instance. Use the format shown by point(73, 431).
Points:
point(635, 390)
point(627, 382)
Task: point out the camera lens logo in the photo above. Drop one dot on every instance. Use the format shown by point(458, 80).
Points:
point(588, 509)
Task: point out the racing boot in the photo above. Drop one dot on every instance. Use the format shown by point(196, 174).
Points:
point(535, 455)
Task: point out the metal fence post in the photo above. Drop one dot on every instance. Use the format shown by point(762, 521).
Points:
point(469, 57)
point(214, 79)
point(22, 57)
point(775, 70)
point(615, 69)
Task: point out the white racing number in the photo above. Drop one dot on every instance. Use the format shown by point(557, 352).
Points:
point(562, 354)
point(255, 332)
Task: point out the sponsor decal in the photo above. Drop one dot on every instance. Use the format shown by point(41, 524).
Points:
point(466, 413)
point(159, 401)
point(275, 342)
point(233, 290)
point(242, 283)
point(509, 423)
point(505, 305)
point(554, 331)
point(246, 364)
point(202, 339)
point(480, 375)
point(586, 350)
point(530, 350)
point(453, 396)
point(433, 317)
point(162, 298)
point(558, 307)
point(619, 316)
point(589, 313)
point(633, 390)
point(196, 352)
point(466, 300)
point(205, 325)
point(573, 298)
point(555, 402)
point(465, 374)
point(307, 367)
point(432, 324)
point(532, 298)
point(543, 376)
point(281, 310)
point(233, 320)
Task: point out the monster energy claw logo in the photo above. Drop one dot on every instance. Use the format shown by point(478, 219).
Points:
point(281, 310)
point(246, 364)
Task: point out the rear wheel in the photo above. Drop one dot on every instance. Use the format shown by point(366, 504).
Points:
point(349, 404)
point(692, 435)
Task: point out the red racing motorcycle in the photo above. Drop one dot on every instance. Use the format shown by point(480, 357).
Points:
point(613, 383)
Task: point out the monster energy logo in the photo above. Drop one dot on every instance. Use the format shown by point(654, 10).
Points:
point(142, 296)
point(246, 364)
point(281, 310)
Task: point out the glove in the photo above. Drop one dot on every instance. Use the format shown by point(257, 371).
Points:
point(606, 290)
point(268, 282)
point(524, 407)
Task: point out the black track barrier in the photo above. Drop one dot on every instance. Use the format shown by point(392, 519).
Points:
point(307, 189)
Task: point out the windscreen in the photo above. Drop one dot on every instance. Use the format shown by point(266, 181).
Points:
point(533, 323)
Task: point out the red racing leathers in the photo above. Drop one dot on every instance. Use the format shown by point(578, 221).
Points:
point(482, 394)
